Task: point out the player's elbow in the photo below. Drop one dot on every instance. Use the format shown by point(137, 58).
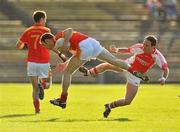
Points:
point(19, 45)
point(68, 31)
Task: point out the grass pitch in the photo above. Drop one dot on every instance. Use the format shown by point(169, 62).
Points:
point(155, 109)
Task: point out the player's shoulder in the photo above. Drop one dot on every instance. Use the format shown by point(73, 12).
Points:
point(137, 45)
point(28, 29)
point(46, 29)
point(156, 51)
point(158, 55)
point(41, 28)
point(136, 48)
point(59, 35)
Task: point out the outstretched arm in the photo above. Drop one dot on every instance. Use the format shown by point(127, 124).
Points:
point(114, 49)
point(64, 59)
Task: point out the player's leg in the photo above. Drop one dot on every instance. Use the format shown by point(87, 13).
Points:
point(106, 56)
point(73, 65)
point(131, 91)
point(103, 67)
point(91, 48)
point(46, 82)
point(31, 72)
point(35, 93)
point(45, 78)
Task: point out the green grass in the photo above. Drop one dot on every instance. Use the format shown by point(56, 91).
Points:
point(155, 109)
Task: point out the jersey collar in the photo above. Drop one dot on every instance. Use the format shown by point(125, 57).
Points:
point(38, 24)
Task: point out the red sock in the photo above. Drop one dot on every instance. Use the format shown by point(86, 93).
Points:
point(63, 97)
point(93, 71)
point(43, 83)
point(113, 104)
point(36, 105)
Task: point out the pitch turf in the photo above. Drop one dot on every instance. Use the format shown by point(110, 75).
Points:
point(155, 109)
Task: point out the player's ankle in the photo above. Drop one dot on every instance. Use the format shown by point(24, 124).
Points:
point(37, 111)
point(63, 97)
point(93, 71)
point(108, 106)
point(113, 105)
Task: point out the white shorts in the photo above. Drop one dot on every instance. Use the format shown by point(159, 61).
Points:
point(90, 48)
point(132, 79)
point(40, 70)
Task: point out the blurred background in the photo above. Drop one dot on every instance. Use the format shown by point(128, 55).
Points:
point(119, 22)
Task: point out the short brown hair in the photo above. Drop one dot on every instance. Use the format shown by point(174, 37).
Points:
point(37, 15)
point(46, 36)
point(152, 39)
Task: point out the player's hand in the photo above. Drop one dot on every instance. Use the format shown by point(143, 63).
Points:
point(113, 48)
point(25, 47)
point(162, 80)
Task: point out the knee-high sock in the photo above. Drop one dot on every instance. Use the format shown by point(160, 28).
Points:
point(93, 71)
point(36, 105)
point(63, 97)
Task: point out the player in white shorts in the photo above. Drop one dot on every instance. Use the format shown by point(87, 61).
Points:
point(83, 48)
point(38, 58)
point(145, 56)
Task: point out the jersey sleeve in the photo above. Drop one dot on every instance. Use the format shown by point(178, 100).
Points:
point(59, 35)
point(160, 60)
point(24, 37)
point(136, 48)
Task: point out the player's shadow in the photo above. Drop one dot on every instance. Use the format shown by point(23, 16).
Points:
point(16, 115)
point(122, 119)
point(83, 120)
point(93, 120)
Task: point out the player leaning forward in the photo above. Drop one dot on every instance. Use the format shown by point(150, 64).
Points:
point(83, 48)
